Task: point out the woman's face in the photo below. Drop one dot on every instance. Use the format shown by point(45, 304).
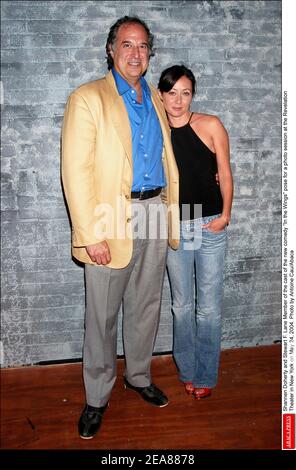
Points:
point(177, 101)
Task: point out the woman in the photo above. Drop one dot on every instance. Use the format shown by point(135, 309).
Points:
point(201, 148)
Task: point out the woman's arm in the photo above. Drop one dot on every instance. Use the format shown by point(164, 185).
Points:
point(221, 145)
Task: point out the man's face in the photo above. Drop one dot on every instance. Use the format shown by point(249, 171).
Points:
point(131, 52)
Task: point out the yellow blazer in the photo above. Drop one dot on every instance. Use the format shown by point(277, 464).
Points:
point(97, 170)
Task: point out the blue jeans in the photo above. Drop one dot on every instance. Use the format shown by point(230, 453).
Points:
point(197, 318)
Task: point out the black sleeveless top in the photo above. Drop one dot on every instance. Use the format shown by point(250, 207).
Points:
point(197, 166)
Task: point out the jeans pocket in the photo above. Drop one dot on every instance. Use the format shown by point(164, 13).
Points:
point(215, 232)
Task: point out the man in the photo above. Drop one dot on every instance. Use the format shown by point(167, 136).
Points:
point(118, 162)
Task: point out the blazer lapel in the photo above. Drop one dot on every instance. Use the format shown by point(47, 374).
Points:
point(120, 117)
point(160, 111)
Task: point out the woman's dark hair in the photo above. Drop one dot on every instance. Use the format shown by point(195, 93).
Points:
point(112, 36)
point(171, 75)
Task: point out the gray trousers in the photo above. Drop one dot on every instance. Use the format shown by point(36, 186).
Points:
point(139, 286)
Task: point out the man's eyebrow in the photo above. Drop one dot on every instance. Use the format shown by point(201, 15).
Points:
point(127, 41)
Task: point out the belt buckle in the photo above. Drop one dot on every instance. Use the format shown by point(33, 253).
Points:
point(142, 195)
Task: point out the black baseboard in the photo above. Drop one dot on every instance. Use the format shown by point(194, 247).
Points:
point(79, 359)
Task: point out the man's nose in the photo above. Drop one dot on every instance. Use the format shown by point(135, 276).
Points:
point(136, 51)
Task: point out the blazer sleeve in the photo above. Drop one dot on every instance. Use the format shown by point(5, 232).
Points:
point(78, 154)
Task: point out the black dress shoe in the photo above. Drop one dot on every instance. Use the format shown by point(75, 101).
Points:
point(151, 394)
point(90, 421)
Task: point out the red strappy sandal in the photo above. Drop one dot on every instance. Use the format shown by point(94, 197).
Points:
point(202, 393)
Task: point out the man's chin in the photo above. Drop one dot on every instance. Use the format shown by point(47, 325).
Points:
point(136, 74)
point(135, 70)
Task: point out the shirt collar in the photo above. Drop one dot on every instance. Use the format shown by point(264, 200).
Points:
point(123, 86)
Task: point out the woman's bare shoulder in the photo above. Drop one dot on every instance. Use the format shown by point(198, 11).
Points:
point(209, 123)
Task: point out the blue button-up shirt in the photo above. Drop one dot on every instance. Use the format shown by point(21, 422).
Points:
point(147, 141)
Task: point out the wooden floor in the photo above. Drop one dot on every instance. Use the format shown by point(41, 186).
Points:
point(41, 405)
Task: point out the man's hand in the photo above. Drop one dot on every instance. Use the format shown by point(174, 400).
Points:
point(99, 253)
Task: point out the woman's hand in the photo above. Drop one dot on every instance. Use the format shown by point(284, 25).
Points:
point(218, 224)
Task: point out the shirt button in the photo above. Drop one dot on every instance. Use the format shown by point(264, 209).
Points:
point(126, 196)
point(134, 101)
point(141, 136)
point(145, 155)
point(129, 219)
point(133, 91)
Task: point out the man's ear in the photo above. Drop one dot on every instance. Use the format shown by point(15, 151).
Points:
point(111, 51)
